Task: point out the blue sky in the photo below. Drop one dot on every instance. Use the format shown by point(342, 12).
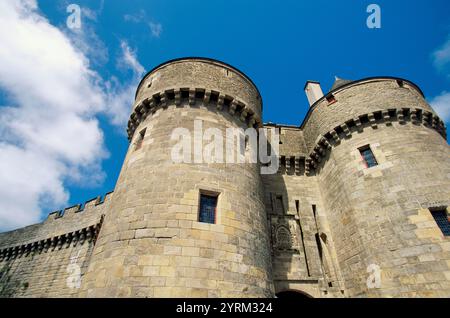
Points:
point(279, 45)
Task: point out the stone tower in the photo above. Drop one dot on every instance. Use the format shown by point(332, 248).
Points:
point(152, 243)
point(379, 213)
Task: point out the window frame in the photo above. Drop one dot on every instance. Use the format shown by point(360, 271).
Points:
point(331, 99)
point(210, 194)
point(366, 163)
point(445, 228)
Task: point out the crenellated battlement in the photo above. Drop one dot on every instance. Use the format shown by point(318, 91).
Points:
point(184, 97)
point(57, 242)
point(78, 208)
point(305, 163)
point(59, 223)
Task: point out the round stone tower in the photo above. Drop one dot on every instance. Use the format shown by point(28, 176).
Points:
point(156, 241)
point(383, 164)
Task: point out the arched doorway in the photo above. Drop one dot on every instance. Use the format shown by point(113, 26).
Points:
point(292, 295)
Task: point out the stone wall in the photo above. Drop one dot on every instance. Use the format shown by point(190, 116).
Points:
point(295, 207)
point(49, 259)
point(152, 243)
point(371, 211)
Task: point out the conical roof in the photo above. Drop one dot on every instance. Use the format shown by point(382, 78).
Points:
point(339, 82)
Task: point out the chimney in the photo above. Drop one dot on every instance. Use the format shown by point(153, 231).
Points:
point(313, 92)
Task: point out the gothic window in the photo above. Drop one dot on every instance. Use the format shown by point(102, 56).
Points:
point(208, 207)
point(442, 220)
point(368, 156)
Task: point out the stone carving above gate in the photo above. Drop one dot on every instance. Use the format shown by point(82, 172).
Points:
point(284, 234)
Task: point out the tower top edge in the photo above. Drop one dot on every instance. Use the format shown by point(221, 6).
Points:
point(197, 59)
point(362, 81)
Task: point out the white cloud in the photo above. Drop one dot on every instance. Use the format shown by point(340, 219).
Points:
point(135, 18)
point(120, 97)
point(441, 104)
point(86, 40)
point(441, 60)
point(49, 133)
point(141, 17)
point(156, 29)
point(129, 59)
point(441, 57)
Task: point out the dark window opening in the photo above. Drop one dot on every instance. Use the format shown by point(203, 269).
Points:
point(368, 156)
point(400, 83)
point(170, 95)
point(157, 99)
point(331, 99)
point(208, 207)
point(214, 98)
point(350, 124)
point(227, 102)
point(184, 93)
point(283, 161)
point(442, 220)
point(199, 94)
point(140, 139)
point(339, 130)
point(378, 115)
point(364, 119)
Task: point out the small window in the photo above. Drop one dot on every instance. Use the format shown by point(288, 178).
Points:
point(368, 157)
point(331, 99)
point(208, 208)
point(442, 220)
point(140, 139)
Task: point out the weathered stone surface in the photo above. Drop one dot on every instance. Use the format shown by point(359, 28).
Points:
point(316, 227)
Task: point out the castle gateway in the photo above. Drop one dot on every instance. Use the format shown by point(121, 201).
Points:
point(357, 208)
